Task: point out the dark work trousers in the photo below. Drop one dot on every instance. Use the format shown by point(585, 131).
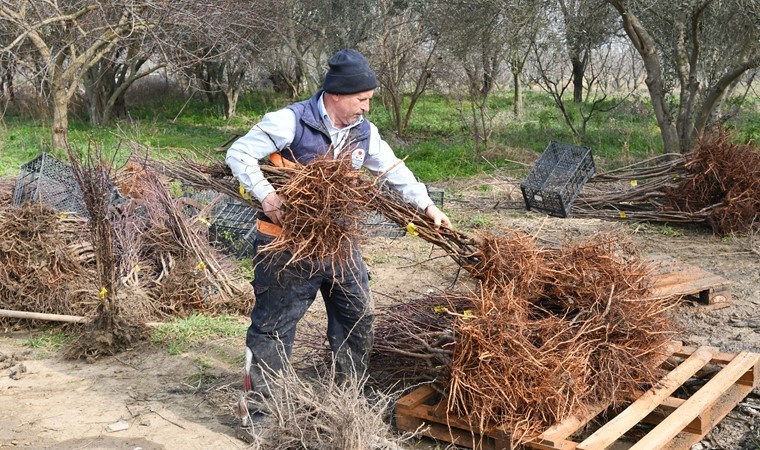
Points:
point(284, 293)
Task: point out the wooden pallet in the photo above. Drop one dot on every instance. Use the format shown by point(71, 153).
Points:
point(677, 423)
point(675, 278)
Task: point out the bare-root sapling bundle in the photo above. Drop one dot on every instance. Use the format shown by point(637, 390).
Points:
point(715, 184)
point(549, 332)
point(724, 183)
point(44, 265)
point(324, 203)
point(187, 272)
point(108, 332)
point(589, 333)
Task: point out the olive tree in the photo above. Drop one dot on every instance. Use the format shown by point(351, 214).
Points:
point(223, 59)
point(69, 38)
point(472, 35)
point(107, 81)
point(405, 56)
point(601, 88)
point(102, 45)
point(691, 58)
point(586, 25)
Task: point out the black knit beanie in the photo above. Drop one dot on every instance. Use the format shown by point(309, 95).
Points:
point(349, 73)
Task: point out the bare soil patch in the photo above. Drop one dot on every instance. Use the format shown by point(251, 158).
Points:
point(186, 401)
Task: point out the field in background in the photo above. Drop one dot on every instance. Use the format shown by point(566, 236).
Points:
point(437, 144)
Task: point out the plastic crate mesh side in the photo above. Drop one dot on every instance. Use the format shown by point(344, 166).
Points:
point(63, 196)
point(26, 184)
point(25, 187)
point(557, 178)
point(435, 194)
point(579, 179)
point(546, 202)
point(233, 229)
point(236, 215)
point(377, 225)
point(49, 181)
point(247, 250)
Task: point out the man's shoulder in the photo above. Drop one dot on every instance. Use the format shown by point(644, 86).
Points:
point(371, 126)
point(299, 105)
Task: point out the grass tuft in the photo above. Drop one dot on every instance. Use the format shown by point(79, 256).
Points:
point(178, 335)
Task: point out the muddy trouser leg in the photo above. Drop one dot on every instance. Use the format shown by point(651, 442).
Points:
point(282, 298)
point(350, 318)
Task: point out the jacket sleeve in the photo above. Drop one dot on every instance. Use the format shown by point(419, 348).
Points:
point(275, 132)
point(395, 174)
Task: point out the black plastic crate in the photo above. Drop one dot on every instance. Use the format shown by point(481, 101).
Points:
point(47, 180)
point(557, 178)
point(436, 195)
point(377, 225)
point(234, 229)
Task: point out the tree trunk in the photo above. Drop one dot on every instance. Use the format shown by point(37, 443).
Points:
point(119, 107)
point(518, 107)
point(94, 96)
point(646, 47)
point(6, 81)
point(60, 119)
point(230, 100)
point(397, 100)
point(579, 70)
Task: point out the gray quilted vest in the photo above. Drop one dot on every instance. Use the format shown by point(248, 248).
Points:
point(312, 138)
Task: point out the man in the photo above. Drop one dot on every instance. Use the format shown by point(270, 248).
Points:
point(333, 119)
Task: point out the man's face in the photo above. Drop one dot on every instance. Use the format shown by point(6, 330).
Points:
point(349, 107)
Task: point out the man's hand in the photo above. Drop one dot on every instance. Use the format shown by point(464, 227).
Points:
point(271, 206)
point(437, 216)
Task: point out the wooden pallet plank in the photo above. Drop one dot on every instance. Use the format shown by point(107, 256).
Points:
point(716, 413)
point(671, 277)
point(751, 378)
point(556, 435)
point(412, 411)
point(669, 428)
point(699, 425)
point(444, 433)
point(415, 398)
point(645, 404)
point(720, 294)
point(687, 284)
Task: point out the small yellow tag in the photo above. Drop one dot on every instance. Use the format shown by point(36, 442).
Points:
point(634, 183)
point(243, 193)
point(201, 266)
point(137, 268)
point(63, 216)
point(623, 215)
point(439, 309)
point(102, 293)
point(468, 314)
point(204, 220)
point(412, 229)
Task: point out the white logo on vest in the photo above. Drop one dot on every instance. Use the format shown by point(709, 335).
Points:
point(357, 158)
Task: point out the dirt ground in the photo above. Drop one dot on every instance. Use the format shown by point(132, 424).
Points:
point(184, 402)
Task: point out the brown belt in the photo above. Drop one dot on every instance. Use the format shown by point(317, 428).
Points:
point(264, 227)
point(268, 228)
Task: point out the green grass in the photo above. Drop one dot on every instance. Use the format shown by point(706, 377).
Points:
point(198, 128)
point(478, 221)
point(437, 144)
point(48, 340)
point(667, 230)
point(178, 335)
